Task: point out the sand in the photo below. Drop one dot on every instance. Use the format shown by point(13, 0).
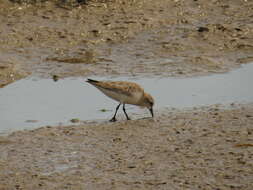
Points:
point(199, 148)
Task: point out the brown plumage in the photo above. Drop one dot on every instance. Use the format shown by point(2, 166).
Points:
point(125, 93)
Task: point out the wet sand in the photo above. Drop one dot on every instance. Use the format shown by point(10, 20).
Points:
point(201, 148)
point(122, 37)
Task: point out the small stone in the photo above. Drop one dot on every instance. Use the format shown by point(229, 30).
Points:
point(55, 78)
point(75, 120)
point(203, 29)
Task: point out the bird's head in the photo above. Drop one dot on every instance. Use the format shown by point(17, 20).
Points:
point(148, 102)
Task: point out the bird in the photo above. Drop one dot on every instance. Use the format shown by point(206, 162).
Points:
point(125, 93)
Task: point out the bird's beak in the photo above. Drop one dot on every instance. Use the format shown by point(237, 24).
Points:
point(151, 111)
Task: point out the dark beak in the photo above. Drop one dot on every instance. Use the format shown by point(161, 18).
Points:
point(151, 111)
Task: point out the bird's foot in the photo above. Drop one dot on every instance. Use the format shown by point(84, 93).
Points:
point(113, 119)
point(128, 118)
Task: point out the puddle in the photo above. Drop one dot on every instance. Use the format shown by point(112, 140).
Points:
point(30, 103)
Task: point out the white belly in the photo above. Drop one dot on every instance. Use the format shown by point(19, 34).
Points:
point(123, 98)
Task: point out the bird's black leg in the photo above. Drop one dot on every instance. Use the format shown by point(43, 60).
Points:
point(124, 109)
point(114, 117)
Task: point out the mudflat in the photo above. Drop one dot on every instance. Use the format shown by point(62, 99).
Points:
point(199, 148)
point(203, 148)
point(122, 37)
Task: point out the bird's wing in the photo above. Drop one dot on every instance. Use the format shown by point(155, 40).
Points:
point(121, 87)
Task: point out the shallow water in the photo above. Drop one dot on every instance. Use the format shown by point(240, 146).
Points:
point(31, 102)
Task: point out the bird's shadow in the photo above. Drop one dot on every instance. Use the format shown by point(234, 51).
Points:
point(146, 118)
point(123, 120)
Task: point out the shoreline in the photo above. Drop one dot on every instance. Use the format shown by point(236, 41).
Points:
point(183, 149)
point(199, 148)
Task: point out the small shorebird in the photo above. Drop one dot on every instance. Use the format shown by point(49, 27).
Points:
point(125, 93)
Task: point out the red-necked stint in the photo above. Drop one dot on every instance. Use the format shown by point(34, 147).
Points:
point(125, 93)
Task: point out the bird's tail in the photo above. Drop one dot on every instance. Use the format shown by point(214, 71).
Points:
point(92, 81)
